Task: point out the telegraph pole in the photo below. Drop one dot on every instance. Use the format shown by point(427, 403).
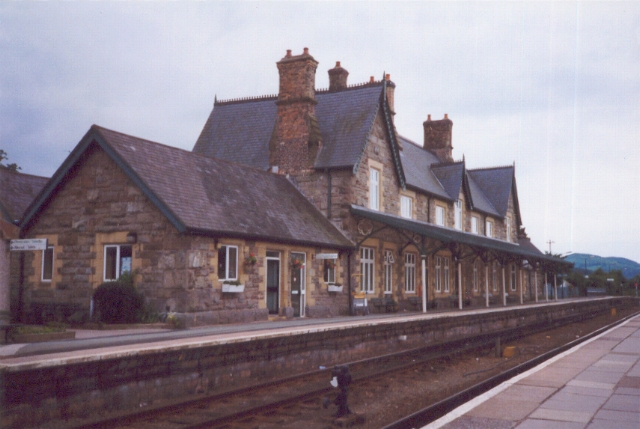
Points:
point(550, 243)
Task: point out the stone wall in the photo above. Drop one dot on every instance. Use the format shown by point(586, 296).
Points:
point(43, 394)
point(98, 205)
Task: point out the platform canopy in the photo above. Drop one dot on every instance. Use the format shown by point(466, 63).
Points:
point(463, 243)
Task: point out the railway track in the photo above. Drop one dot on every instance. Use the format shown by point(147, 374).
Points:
point(295, 401)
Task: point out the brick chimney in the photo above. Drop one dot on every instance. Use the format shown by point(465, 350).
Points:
point(437, 137)
point(390, 93)
point(296, 140)
point(337, 78)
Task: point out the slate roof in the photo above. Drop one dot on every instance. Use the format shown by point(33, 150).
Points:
point(17, 191)
point(199, 194)
point(240, 131)
point(416, 162)
point(496, 184)
point(451, 176)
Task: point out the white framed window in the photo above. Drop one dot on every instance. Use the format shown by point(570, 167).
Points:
point(489, 228)
point(410, 272)
point(388, 271)
point(117, 261)
point(458, 214)
point(508, 228)
point(513, 277)
point(438, 274)
point(374, 189)
point(475, 276)
point(495, 277)
point(406, 206)
point(47, 264)
point(440, 215)
point(474, 224)
point(330, 270)
point(367, 264)
point(446, 274)
point(228, 263)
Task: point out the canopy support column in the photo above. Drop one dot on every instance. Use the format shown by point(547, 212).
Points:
point(459, 284)
point(486, 284)
point(535, 279)
point(424, 283)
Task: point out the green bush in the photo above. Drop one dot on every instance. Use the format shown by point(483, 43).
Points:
point(118, 302)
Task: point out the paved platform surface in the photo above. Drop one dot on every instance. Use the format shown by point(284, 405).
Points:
point(595, 385)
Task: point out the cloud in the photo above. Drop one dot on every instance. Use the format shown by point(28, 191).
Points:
point(551, 86)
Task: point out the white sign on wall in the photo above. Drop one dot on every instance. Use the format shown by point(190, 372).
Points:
point(327, 256)
point(28, 244)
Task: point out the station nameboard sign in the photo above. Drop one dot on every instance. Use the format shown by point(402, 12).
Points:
point(327, 256)
point(28, 244)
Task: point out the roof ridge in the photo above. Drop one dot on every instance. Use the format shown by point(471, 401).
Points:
point(500, 167)
point(98, 127)
point(351, 86)
point(446, 164)
point(8, 170)
point(245, 99)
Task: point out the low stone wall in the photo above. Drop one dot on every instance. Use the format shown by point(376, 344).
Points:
point(59, 394)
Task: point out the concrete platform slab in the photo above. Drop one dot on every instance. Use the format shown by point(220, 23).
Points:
point(618, 416)
point(596, 384)
point(548, 424)
point(607, 424)
point(470, 422)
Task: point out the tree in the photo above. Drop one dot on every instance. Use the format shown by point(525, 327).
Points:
point(12, 167)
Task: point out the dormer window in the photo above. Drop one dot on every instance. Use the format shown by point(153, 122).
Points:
point(458, 214)
point(440, 215)
point(474, 224)
point(406, 206)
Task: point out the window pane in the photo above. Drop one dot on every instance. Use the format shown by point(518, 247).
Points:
point(374, 189)
point(233, 263)
point(110, 258)
point(125, 259)
point(222, 262)
point(47, 264)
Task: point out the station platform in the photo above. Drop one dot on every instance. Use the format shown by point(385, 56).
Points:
point(595, 385)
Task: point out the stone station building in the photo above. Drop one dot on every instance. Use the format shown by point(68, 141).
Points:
point(297, 204)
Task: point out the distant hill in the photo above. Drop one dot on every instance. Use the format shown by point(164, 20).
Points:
point(628, 267)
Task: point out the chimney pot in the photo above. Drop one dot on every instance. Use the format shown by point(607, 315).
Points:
point(446, 116)
point(288, 53)
point(337, 78)
point(371, 80)
point(428, 117)
point(306, 51)
point(388, 77)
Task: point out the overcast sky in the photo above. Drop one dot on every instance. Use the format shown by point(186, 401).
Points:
point(553, 87)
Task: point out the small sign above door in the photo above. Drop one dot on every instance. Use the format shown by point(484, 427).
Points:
point(28, 244)
point(327, 256)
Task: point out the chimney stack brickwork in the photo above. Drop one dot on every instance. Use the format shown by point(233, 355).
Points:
point(437, 137)
point(296, 139)
point(337, 78)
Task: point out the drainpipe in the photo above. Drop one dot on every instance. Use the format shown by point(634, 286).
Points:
point(349, 281)
point(459, 285)
point(424, 283)
point(328, 194)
